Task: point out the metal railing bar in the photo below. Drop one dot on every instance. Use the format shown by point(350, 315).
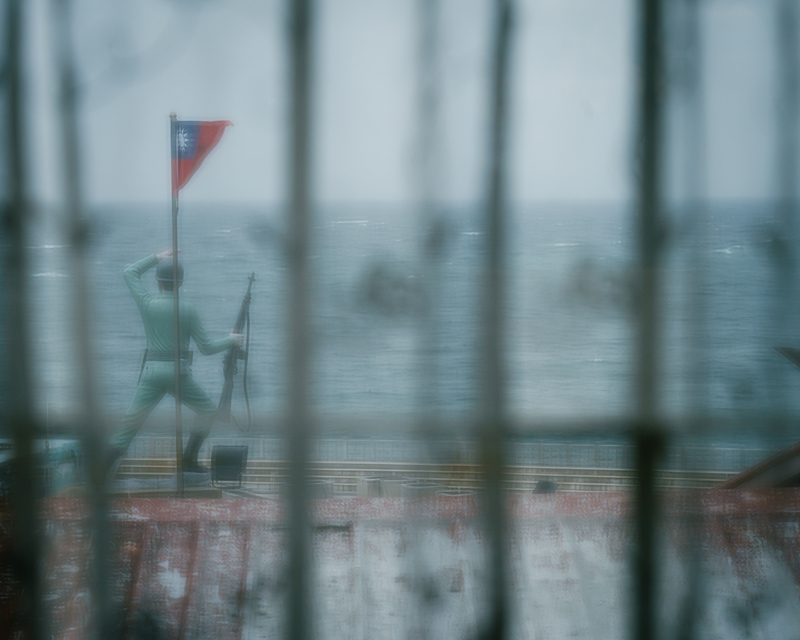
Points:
point(403, 426)
point(649, 226)
point(427, 176)
point(473, 474)
point(689, 50)
point(93, 433)
point(27, 540)
point(421, 622)
point(432, 467)
point(783, 244)
point(788, 119)
point(493, 408)
point(649, 234)
point(696, 217)
point(299, 602)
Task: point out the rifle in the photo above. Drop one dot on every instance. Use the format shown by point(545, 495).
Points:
point(234, 354)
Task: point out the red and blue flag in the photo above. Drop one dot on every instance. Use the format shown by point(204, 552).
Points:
point(192, 141)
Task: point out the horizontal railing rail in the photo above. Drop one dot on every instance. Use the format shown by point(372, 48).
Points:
point(605, 456)
point(269, 476)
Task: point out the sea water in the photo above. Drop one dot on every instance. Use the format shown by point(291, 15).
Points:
point(569, 332)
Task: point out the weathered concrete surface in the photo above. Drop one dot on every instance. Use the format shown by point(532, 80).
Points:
point(393, 568)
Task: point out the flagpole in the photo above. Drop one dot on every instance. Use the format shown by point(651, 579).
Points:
point(177, 329)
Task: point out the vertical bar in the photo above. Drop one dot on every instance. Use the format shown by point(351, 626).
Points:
point(428, 102)
point(649, 223)
point(432, 223)
point(694, 178)
point(299, 423)
point(176, 305)
point(784, 245)
point(696, 216)
point(432, 229)
point(418, 623)
point(26, 538)
point(493, 397)
point(649, 240)
point(93, 435)
point(788, 120)
point(647, 455)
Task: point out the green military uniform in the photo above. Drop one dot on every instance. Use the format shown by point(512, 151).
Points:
point(158, 377)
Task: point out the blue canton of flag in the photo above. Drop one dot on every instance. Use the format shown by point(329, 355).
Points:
point(185, 140)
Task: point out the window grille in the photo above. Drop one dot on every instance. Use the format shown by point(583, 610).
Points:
point(453, 509)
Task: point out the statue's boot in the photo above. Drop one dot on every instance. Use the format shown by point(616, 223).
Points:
point(190, 454)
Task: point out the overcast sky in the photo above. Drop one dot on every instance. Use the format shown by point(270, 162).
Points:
point(572, 116)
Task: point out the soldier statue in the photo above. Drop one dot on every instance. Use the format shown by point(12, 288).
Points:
point(157, 376)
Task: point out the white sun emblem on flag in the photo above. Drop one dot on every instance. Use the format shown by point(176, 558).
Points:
point(183, 140)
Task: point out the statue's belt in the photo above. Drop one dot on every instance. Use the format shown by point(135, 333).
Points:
point(168, 356)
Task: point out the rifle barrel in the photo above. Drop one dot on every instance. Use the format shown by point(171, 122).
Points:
point(232, 356)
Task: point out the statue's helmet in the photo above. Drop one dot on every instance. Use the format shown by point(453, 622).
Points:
point(164, 271)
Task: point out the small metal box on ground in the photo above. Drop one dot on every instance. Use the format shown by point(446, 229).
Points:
point(228, 464)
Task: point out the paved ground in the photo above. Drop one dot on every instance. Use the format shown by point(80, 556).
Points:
point(393, 568)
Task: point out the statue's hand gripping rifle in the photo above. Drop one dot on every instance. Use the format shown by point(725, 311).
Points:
point(231, 361)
